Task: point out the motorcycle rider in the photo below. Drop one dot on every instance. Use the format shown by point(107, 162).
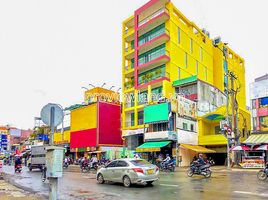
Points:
point(166, 160)
point(17, 162)
point(93, 160)
point(200, 161)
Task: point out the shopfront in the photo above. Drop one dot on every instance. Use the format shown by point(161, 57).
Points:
point(254, 151)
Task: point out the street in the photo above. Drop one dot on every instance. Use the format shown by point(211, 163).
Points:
point(222, 185)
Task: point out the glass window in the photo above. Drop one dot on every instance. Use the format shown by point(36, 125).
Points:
point(184, 126)
point(139, 162)
point(112, 164)
point(156, 93)
point(132, 119)
point(140, 117)
point(160, 127)
point(192, 127)
point(143, 97)
point(179, 35)
point(253, 103)
point(121, 163)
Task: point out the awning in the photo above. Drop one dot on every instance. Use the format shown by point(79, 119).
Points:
point(241, 148)
point(184, 81)
point(216, 115)
point(262, 148)
point(198, 149)
point(152, 146)
point(257, 139)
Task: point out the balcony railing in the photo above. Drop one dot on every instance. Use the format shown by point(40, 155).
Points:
point(155, 14)
point(152, 56)
point(153, 35)
point(129, 84)
point(146, 78)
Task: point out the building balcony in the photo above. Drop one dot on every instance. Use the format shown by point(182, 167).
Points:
point(153, 60)
point(155, 19)
point(154, 42)
point(129, 52)
point(155, 81)
point(129, 34)
point(129, 85)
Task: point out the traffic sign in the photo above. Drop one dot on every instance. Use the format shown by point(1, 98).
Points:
point(52, 114)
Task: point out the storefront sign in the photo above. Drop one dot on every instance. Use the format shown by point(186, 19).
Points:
point(162, 135)
point(61, 142)
point(133, 132)
point(186, 107)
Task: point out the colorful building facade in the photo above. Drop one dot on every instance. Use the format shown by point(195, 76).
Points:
point(165, 55)
point(95, 126)
point(259, 104)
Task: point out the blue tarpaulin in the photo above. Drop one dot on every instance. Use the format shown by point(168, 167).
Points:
point(264, 101)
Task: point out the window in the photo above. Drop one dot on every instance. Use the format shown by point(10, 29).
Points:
point(201, 53)
point(196, 67)
point(140, 117)
point(179, 73)
point(139, 162)
point(186, 60)
point(121, 163)
point(112, 164)
point(253, 103)
point(132, 119)
point(217, 129)
point(160, 127)
point(143, 97)
point(191, 45)
point(156, 93)
point(179, 35)
point(184, 126)
point(192, 127)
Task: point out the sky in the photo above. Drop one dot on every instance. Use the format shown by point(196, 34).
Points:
point(50, 49)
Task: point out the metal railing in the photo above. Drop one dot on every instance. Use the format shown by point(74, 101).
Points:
point(153, 35)
point(153, 15)
point(154, 76)
point(153, 55)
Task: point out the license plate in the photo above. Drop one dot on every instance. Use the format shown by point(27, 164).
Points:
point(150, 171)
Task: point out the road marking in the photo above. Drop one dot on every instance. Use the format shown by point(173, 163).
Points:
point(252, 193)
point(169, 185)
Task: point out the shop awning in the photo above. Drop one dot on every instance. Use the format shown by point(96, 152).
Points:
point(216, 115)
point(198, 149)
point(257, 139)
point(184, 81)
point(152, 146)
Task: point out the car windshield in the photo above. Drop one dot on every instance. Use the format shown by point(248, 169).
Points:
point(139, 162)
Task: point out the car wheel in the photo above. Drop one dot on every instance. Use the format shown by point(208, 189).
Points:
point(149, 183)
point(100, 179)
point(126, 181)
point(190, 173)
point(262, 175)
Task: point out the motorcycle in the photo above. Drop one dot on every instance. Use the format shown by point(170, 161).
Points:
point(65, 165)
point(167, 167)
point(201, 170)
point(263, 173)
point(18, 169)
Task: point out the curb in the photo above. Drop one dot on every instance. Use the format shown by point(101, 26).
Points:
point(8, 179)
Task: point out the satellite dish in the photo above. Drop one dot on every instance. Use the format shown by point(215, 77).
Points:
point(52, 114)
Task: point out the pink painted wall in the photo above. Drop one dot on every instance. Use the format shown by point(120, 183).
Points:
point(109, 124)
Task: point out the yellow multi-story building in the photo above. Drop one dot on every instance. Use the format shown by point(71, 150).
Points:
point(165, 54)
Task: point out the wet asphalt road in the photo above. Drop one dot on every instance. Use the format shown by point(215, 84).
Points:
point(222, 185)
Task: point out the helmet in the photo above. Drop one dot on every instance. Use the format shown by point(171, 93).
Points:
point(167, 154)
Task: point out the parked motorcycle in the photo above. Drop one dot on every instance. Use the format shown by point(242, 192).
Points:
point(263, 173)
point(65, 165)
point(18, 169)
point(200, 170)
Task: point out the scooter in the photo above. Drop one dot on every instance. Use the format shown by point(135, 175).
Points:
point(263, 173)
point(167, 167)
point(202, 170)
point(18, 169)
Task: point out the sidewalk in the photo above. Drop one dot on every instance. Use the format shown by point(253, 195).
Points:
point(10, 192)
